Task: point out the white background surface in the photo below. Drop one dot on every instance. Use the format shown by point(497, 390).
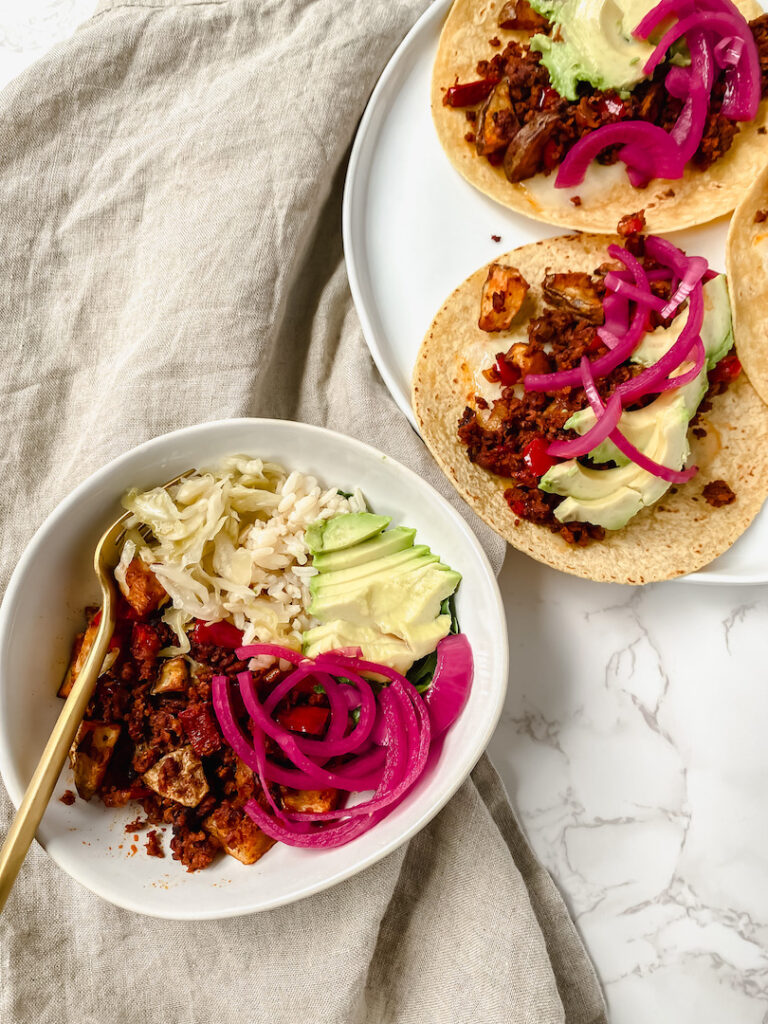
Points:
point(633, 745)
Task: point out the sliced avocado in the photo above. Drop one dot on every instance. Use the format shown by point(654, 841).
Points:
point(384, 544)
point(382, 593)
point(344, 531)
point(387, 564)
point(611, 513)
point(600, 496)
point(378, 647)
point(640, 425)
point(716, 330)
point(592, 41)
point(406, 605)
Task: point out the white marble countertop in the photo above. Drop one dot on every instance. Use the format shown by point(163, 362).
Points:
point(632, 743)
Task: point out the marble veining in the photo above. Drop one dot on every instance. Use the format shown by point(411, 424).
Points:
point(632, 743)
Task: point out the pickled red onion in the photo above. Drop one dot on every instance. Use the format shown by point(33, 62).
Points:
point(673, 476)
point(604, 424)
point(390, 771)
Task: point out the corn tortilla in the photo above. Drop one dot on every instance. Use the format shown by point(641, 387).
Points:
point(747, 263)
point(680, 533)
point(606, 194)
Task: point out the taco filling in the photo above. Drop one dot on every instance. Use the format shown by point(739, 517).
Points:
point(655, 87)
point(589, 419)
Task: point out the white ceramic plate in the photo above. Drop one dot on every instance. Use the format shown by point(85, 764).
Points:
point(43, 610)
point(414, 229)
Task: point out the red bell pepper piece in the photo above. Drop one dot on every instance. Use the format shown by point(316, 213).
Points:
point(727, 370)
point(221, 634)
point(201, 729)
point(611, 106)
point(306, 719)
point(536, 458)
point(467, 94)
point(508, 374)
point(548, 98)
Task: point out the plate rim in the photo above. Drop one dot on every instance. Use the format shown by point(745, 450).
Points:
point(9, 774)
point(351, 218)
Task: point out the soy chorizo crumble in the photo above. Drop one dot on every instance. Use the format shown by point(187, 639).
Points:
point(150, 737)
point(525, 126)
point(717, 493)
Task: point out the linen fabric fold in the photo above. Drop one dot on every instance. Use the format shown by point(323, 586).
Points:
point(170, 191)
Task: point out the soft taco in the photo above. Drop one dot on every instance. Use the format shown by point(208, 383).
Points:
point(572, 111)
point(747, 264)
point(584, 397)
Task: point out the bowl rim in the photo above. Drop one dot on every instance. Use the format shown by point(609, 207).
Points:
point(8, 771)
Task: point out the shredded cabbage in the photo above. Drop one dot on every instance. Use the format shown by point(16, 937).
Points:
point(228, 543)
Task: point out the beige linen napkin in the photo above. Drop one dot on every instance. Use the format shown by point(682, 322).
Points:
point(170, 185)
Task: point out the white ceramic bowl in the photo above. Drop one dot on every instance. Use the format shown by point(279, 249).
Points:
point(42, 611)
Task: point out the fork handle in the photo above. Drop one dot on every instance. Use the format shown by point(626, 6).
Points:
point(42, 783)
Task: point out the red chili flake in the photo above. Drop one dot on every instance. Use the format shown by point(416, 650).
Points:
point(760, 216)
point(495, 238)
point(576, 200)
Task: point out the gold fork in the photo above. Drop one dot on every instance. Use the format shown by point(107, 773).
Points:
point(42, 783)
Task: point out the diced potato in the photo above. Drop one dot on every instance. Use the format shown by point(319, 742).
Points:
point(527, 361)
point(497, 122)
point(504, 291)
point(575, 292)
point(173, 676)
point(80, 650)
point(309, 801)
point(90, 755)
point(178, 776)
point(240, 837)
point(142, 590)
